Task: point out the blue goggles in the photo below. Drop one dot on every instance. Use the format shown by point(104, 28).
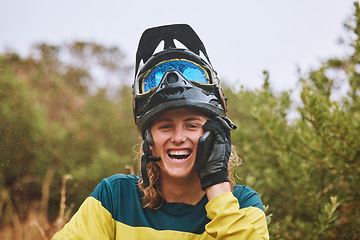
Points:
point(190, 70)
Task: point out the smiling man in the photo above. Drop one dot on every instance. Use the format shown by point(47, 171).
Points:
point(185, 190)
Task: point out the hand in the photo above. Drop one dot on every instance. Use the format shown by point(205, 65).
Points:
point(213, 153)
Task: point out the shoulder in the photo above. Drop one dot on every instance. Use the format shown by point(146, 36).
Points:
point(122, 178)
point(247, 197)
point(115, 190)
point(116, 183)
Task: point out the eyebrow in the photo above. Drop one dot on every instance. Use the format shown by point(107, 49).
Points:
point(193, 118)
point(185, 120)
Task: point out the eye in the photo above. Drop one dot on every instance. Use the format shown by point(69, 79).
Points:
point(165, 126)
point(193, 125)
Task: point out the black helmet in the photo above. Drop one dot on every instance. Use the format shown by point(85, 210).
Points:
point(174, 77)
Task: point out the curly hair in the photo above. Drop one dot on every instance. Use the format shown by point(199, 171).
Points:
point(152, 197)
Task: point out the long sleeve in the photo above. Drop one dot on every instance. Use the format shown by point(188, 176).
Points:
point(93, 220)
point(230, 221)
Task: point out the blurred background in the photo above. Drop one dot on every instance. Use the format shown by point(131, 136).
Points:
point(242, 37)
point(290, 70)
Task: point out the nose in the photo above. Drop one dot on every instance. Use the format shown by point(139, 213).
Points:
point(178, 136)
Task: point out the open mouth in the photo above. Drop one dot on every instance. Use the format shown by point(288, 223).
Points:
point(179, 154)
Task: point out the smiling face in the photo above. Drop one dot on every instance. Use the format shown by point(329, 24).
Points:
point(176, 134)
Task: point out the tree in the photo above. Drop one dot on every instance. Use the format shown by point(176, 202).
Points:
point(307, 170)
point(55, 122)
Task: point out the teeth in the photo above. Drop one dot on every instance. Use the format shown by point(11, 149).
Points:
point(179, 152)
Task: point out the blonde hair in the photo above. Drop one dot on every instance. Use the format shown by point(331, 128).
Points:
point(152, 197)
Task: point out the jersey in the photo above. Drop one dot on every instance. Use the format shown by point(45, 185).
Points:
point(114, 211)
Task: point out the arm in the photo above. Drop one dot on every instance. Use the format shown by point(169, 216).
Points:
point(218, 189)
point(228, 221)
point(93, 220)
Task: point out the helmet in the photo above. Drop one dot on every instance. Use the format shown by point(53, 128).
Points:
point(174, 77)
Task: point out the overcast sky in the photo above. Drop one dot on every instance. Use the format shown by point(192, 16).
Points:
point(242, 37)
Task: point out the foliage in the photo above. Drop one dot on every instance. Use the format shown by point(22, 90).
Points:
point(307, 169)
point(54, 123)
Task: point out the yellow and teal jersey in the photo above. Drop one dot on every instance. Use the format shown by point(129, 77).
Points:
point(114, 211)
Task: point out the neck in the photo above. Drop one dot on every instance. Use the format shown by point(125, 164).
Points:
point(181, 190)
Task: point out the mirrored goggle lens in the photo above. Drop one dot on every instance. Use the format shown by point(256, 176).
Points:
point(189, 70)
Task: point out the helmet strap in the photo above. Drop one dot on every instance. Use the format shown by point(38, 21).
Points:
point(147, 157)
point(148, 137)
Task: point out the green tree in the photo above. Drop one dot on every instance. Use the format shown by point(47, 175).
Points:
point(307, 169)
point(23, 147)
point(56, 122)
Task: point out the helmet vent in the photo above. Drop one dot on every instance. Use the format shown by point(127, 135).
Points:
point(179, 44)
point(174, 91)
point(216, 103)
point(160, 47)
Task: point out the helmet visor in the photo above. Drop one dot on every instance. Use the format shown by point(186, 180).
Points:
point(190, 70)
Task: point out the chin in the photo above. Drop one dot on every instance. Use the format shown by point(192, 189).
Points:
point(180, 173)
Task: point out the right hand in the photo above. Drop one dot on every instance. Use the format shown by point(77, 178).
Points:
point(213, 167)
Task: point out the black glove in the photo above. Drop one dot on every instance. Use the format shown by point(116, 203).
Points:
point(146, 158)
point(213, 152)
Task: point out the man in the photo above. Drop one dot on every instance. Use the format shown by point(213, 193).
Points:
point(185, 190)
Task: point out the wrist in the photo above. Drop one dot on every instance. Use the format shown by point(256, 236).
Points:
point(214, 178)
point(217, 189)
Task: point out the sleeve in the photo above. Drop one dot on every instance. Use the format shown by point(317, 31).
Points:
point(93, 220)
point(228, 221)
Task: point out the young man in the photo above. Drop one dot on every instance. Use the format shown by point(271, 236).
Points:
point(185, 190)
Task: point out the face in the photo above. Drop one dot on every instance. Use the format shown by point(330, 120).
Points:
point(176, 134)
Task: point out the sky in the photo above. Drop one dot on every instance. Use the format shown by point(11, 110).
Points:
point(242, 38)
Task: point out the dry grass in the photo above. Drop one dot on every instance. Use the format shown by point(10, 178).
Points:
point(37, 225)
